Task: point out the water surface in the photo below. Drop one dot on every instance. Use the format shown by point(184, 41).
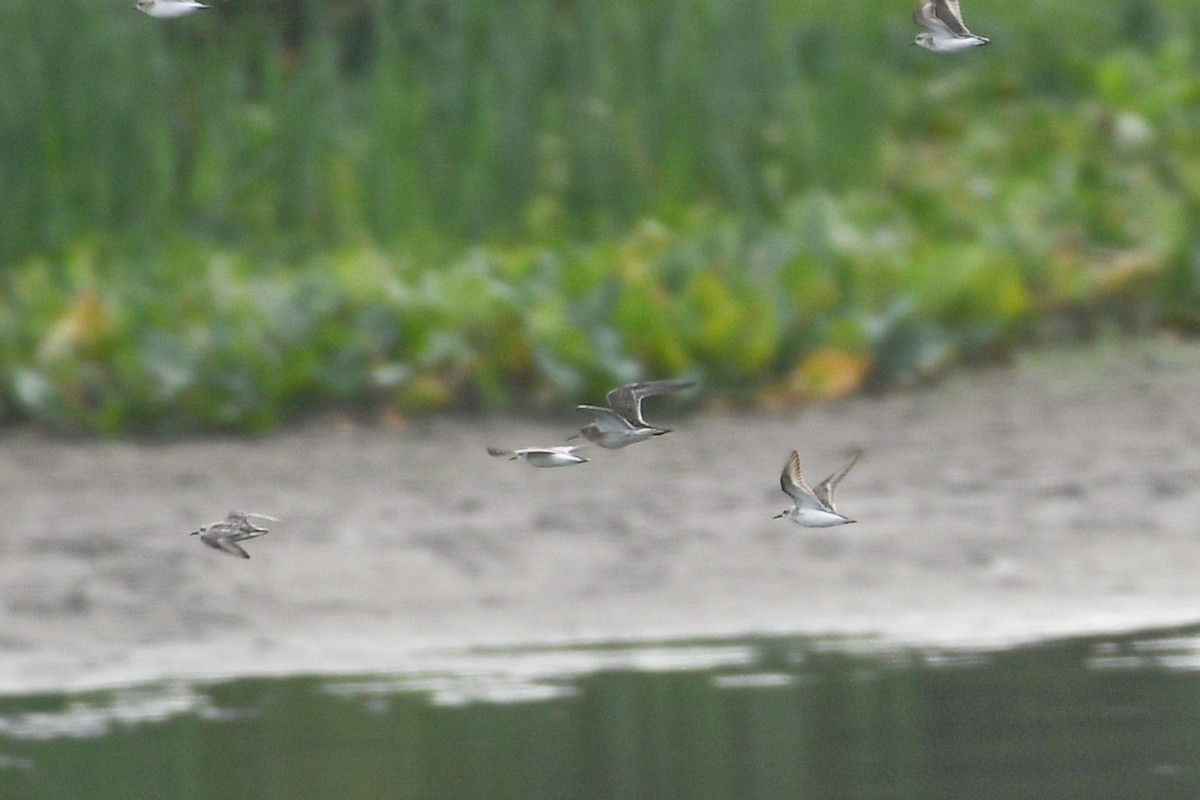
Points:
point(761, 718)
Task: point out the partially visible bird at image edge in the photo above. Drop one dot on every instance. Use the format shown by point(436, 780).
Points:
point(944, 30)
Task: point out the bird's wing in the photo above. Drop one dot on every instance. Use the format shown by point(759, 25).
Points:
point(249, 533)
point(627, 400)
point(606, 420)
point(565, 452)
point(825, 489)
point(923, 16)
point(918, 15)
point(949, 14)
point(926, 16)
point(231, 548)
point(239, 523)
point(791, 480)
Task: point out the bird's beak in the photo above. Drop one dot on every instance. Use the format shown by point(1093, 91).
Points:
point(780, 514)
point(193, 533)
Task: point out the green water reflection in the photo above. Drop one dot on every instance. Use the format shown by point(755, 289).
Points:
point(777, 718)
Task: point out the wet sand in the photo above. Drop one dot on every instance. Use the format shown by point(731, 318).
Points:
point(1054, 497)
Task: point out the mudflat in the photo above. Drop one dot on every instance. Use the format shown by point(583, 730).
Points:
point(1055, 496)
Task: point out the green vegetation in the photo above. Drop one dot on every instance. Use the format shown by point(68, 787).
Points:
point(229, 220)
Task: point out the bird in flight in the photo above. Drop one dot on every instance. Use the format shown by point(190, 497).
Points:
point(813, 508)
point(622, 423)
point(561, 456)
point(944, 30)
point(169, 9)
point(236, 527)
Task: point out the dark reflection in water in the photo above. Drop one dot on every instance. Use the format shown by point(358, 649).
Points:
point(773, 718)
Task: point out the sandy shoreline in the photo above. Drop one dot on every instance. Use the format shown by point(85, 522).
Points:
point(1054, 497)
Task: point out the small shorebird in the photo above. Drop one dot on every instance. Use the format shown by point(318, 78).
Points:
point(944, 29)
point(561, 456)
point(169, 9)
point(812, 508)
point(622, 424)
point(236, 527)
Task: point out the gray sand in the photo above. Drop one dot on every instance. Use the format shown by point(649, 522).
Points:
point(1054, 497)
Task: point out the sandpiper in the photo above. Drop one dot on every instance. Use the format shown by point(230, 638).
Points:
point(813, 508)
point(169, 9)
point(560, 456)
point(944, 29)
point(622, 424)
point(236, 527)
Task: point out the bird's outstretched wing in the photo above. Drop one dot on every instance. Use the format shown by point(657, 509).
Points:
point(627, 400)
point(791, 480)
point(825, 489)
